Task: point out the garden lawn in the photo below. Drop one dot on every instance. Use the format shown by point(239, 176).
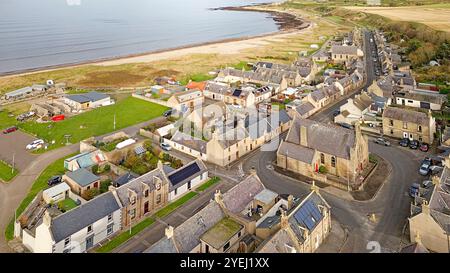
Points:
point(56, 168)
point(6, 174)
point(129, 111)
point(67, 204)
point(208, 184)
point(125, 235)
point(6, 121)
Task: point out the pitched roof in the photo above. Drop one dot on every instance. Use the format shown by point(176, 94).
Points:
point(189, 141)
point(82, 177)
point(88, 97)
point(304, 108)
point(338, 49)
point(183, 175)
point(327, 138)
point(300, 153)
point(165, 245)
point(238, 197)
point(406, 115)
point(82, 216)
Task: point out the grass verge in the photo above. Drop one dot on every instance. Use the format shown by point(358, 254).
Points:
point(6, 172)
point(208, 184)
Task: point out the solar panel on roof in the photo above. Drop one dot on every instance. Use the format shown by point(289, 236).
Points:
point(308, 214)
point(237, 92)
point(184, 173)
point(139, 150)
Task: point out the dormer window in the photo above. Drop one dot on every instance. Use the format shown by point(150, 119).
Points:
point(132, 200)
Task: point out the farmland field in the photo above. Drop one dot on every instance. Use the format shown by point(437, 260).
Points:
point(435, 16)
point(97, 122)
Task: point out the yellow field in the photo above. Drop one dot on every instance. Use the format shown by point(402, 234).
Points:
point(435, 16)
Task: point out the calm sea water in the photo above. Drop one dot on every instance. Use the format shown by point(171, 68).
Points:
point(40, 33)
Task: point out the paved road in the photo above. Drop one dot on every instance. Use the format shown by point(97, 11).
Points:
point(13, 193)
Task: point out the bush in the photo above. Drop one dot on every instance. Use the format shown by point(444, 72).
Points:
point(107, 168)
point(91, 193)
point(95, 169)
point(104, 185)
point(323, 169)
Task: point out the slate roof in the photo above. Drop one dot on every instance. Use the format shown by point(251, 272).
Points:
point(82, 177)
point(338, 49)
point(82, 216)
point(183, 175)
point(238, 197)
point(280, 242)
point(300, 153)
point(165, 245)
point(327, 138)
point(266, 196)
point(122, 180)
point(318, 95)
point(88, 97)
point(187, 235)
point(424, 97)
point(189, 141)
point(217, 88)
point(304, 108)
point(406, 115)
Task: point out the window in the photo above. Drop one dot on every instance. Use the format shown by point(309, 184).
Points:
point(229, 158)
point(132, 213)
point(391, 122)
point(158, 199)
point(239, 234)
point(67, 242)
point(410, 101)
point(333, 161)
point(419, 128)
point(89, 229)
point(146, 193)
point(420, 138)
point(405, 125)
point(110, 217)
point(133, 200)
point(176, 191)
point(226, 246)
point(109, 229)
point(392, 131)
point(322, 158)
point(66, 251)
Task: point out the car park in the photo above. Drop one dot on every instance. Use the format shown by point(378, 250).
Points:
point(54, 180)
point(35, 144)
point(9, 130)
point(404, 142)
point(165, 146)
point(414, 144)
point(424, 147)
point(382, 141)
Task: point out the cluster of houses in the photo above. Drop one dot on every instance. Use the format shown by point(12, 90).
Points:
point(250, 218)
point(33, 91)
point(48, 225)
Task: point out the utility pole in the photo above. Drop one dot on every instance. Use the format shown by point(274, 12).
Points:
point(114, 121)
point(14, 163)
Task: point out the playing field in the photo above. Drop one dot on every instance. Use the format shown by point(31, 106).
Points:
point(97, 122)
point(435, 16)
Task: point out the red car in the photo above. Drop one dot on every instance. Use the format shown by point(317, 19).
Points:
point(10, 130)
point(424, 147)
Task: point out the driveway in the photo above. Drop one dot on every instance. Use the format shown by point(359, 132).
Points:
point(14, 143)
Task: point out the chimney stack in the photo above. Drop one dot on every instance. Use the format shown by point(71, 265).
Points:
point(253, 170)
point(425, 207)
point(284, 220)
point(290, 201)
point(160, 165)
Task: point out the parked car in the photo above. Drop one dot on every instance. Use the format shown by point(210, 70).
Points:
point(345, 125)
point(165, 146)
point(382, 141)
point(427, 184)
point(35, 144)
point(427, 160)
point(424, 147)
point(414, 144)
point(167, 113)
point(10, 130)
point(336, 113)
point(54, 180)
point(414, 190)
point(404, 142)
point(424, 169)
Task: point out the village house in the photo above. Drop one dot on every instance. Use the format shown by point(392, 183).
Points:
point(343, 153)
point(88, 100)
point(405, 123)
point(76, 230)
point(225, 225)
point(81, 181)
point(429, 224)
point(186, 101)
point(300, 229)
point(242, 97)
point(84, 160)
point(421, 99)
point(262, 77)
point(216, 90)
point(354, 110)
point(341, 53)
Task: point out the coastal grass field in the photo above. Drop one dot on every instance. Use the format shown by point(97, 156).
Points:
point(436, 16)
point(56, 168)
point(128, 112)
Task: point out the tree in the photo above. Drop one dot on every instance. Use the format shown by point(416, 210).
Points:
point(323, 169)
point(104, 185)
point(94, 169)
point(91, 193)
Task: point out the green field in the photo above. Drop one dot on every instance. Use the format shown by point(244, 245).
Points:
point(6, 174)
point(97, 122)
point(56, 168)
point(6, 121)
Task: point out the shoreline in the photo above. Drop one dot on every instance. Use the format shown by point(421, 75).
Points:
point(287, 24)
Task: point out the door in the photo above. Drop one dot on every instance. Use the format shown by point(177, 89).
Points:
point(89, 242)
point(189, 185)
point(146, 207)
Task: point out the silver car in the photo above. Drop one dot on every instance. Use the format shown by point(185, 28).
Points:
point(382, 141)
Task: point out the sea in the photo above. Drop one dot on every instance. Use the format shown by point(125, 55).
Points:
point(37, 34)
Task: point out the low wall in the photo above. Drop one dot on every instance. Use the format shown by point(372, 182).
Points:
point(160, 102)
point(155, 138)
